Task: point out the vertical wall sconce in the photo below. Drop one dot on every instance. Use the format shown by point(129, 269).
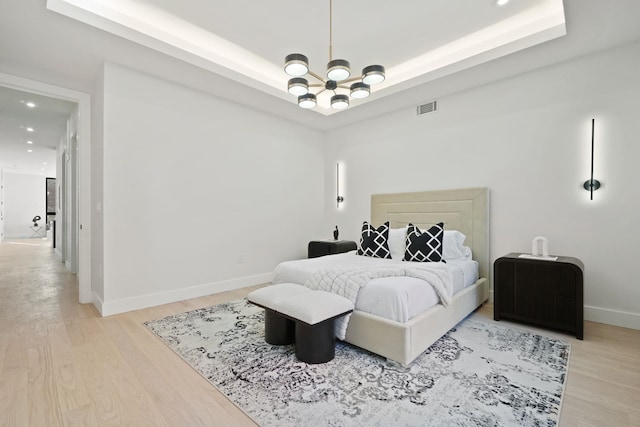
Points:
point(592, 185)
point(339, 198)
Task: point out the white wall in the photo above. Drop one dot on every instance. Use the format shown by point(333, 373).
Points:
point(200, 194)
point(528, 140)
point(24, 198)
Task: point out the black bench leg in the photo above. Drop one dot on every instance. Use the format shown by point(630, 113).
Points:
point(315, 343)
point(278, 330)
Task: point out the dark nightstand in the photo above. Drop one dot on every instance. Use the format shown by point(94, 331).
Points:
point(329, 247)
point(539, 292)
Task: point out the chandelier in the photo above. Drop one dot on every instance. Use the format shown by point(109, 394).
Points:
point(338, 73)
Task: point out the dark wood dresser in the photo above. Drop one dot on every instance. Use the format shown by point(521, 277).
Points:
point(318, 248)
point(539, 292)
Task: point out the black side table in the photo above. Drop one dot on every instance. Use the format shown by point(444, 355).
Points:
point(319, 248)
point(539, 292)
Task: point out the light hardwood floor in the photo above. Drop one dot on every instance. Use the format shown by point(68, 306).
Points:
point(61, 364)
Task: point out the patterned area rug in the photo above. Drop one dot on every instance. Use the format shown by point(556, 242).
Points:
point(478, 374)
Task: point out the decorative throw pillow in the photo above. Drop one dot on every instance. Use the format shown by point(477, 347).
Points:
point(374, 242)
point(424, 246)
point(397, 239)
point(453, 246)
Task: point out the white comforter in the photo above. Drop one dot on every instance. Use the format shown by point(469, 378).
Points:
point(396, 298)
point(348, 282)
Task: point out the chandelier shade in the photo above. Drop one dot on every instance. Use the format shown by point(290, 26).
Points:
point(298, 86)
point(339, 102)
point(307, 100)
point(373, 74)
point(338, 80)
point(360, 90)
point(296, 65)
point(338, 70)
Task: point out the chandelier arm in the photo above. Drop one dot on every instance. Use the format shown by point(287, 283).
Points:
point(330, 30)
point(311, 73)
point(334, 82)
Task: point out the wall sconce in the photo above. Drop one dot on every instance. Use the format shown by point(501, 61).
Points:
point(592, 185)
point(339, 198)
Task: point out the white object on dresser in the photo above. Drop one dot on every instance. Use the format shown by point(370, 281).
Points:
point(535, 247)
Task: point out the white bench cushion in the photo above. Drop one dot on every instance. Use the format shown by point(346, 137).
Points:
point(315, 307)
point(270, 296)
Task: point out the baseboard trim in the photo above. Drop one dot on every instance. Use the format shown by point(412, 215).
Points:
point(97, 302)
point(108, 308)
point(620, 318)
point(593, 314)
point(608, 316)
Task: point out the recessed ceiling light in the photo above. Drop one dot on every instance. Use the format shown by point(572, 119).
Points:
point(501, 2)
point(30, 129)
point(44, 163)
point(28, 103)
point(29, 142)
point(29, 150)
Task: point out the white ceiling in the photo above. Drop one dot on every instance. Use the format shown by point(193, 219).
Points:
point(235, 49)
point(416, 41)
point(31, 152)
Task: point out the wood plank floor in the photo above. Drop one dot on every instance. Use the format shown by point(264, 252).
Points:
point(61, 364)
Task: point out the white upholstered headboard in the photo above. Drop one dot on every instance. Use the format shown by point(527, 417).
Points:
point(466, 210)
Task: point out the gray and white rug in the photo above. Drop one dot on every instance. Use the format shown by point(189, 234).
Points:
point(478, 374)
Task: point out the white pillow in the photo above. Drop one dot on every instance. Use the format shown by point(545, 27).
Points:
point(453, 246)
point(397, 242)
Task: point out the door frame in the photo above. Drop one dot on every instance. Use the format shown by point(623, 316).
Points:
point(83, 249)
point(71, 212)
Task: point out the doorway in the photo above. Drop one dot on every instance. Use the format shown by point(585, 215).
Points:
point(77, 192)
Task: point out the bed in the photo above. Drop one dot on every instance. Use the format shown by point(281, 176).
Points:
point(403, 339)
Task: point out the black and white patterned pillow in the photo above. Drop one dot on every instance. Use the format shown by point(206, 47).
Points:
point(424, 246)
point(374, 242)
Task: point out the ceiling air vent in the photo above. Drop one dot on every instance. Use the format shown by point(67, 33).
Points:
point(429, 107)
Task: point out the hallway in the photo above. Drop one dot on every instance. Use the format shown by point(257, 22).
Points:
point(61, 364)
point(34, 285)
point(38, 301)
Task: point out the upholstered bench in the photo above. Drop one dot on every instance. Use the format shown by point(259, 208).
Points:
point(278, 330)
point(294, 313)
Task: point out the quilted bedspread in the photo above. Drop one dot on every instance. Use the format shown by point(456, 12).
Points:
point(348, 282)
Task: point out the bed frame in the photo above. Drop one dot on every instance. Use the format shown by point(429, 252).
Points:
point(466, 210)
